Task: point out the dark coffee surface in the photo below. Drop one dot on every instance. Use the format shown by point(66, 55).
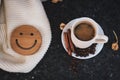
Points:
point(84, 31)
point(56, 63)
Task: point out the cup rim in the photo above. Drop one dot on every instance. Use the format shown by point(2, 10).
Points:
point(84, 20)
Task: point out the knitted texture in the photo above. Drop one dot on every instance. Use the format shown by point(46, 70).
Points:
point(22, 12)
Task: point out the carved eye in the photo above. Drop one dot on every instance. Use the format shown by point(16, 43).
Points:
point(31, 34)
point(21, 33)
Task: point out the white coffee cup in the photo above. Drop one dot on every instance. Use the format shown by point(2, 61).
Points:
point(98, 38)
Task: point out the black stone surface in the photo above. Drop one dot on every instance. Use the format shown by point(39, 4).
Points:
point(56, 64)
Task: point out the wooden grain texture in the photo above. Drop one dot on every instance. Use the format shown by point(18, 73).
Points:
point(26, 40)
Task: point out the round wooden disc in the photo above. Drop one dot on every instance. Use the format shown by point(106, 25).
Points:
point(26, 40)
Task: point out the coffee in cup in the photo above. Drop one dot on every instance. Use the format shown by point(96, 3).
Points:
point(84, 31)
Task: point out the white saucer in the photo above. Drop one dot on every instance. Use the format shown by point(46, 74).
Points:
point(98, 46)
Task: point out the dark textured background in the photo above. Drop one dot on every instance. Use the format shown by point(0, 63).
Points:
point(56, 63)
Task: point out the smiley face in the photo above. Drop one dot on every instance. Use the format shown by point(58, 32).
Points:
point(26, 40)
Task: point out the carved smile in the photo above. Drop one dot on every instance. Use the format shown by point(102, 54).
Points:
point(25, 48)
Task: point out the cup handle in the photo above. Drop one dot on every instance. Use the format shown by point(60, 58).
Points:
point(101, 39)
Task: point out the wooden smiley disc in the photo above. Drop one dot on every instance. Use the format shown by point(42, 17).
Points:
point(26, 40)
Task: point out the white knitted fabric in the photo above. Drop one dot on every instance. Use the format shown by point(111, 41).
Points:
point(22, 12)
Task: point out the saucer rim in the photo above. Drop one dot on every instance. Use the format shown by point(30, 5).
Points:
point(98, 48)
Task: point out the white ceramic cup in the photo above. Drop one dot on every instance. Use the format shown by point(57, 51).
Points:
point(98, 38)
